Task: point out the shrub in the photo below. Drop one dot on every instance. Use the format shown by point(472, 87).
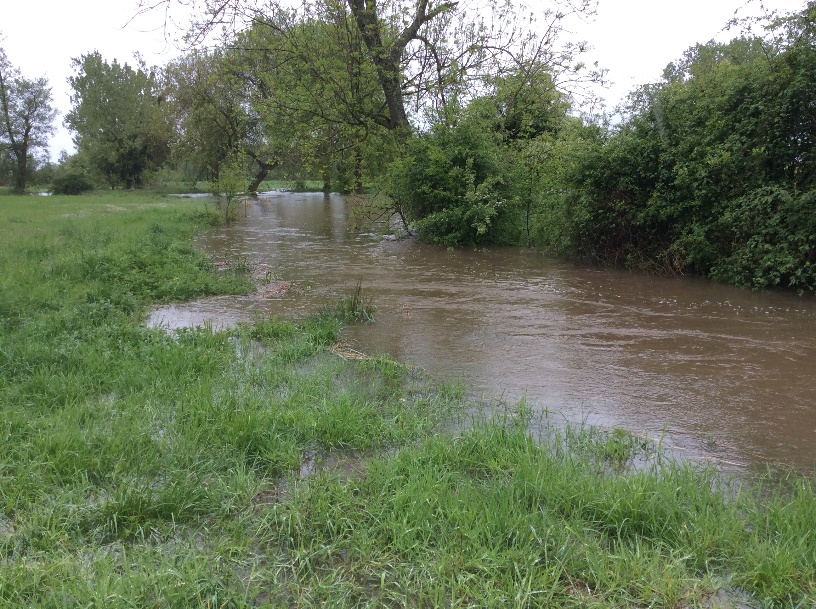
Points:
point(71, 183)
point(450, 184)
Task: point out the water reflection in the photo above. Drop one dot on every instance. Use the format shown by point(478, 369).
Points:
point(724, 372)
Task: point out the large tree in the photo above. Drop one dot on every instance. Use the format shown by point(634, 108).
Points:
point(312, 86)
point(209, 111)
point(334, 85)
point(119, 118)
point(26, 117)
point(426, 57)
point(387, 45)
point(289, 94)
point(224, 107)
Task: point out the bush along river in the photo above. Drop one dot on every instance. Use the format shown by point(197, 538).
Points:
point(717, 373)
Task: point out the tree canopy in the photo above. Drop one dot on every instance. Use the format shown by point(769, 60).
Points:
point(425, 57)
point(119, 119)
point(336, 87)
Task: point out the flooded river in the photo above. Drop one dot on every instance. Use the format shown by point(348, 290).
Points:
point(722, 373)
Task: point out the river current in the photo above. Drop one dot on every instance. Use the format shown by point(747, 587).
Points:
point(718, 372)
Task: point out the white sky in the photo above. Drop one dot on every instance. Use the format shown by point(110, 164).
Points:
point(634, 39)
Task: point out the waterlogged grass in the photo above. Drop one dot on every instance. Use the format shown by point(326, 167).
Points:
point(357, 307)
point(140, 469)
point(129, 458)
point(493, 519)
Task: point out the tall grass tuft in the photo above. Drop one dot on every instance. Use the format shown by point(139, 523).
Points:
point(356, 308)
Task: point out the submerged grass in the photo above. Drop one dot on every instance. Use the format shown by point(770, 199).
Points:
point(142, 469)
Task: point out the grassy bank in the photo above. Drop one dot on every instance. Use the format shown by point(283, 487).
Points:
point(256, 468)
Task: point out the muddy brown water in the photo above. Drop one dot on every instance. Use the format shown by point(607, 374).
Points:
point(718, 372)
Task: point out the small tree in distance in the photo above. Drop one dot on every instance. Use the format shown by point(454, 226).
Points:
point(231, 186)
point(26, 117)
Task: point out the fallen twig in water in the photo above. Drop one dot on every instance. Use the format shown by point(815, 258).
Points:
point(347, 352)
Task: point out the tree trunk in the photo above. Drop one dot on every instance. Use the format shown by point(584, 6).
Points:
point(358, 171)
point(263, 171)
point(387, 60)
point(388, 75)
point(327, 186)
point(22, 170)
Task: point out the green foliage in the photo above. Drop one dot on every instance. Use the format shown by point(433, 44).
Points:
point(330, 89)
point(711, 172)
point(26, 120)
point(449, 183)
point(774, 240)
point(290, 93)
point(217, 106)
point(524, 103)
point(71, 182)
point(119, 118)
point(231, 187)
point(358, 307)
point(205, 105)
point(6, 167)
point(488, 178)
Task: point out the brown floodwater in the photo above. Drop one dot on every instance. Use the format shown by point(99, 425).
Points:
point(719, 372)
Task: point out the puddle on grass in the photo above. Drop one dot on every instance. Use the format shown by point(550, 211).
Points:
point(345, 464)
point(729, 597)
point(208, 313)
point(6, 527)
point(220, 312)
point(250, 351)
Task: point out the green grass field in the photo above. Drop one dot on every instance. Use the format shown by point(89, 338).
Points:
point(256, 468)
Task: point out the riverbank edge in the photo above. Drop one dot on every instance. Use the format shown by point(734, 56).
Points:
point(144, 468)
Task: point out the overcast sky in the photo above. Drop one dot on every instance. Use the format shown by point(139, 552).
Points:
point(634, 39)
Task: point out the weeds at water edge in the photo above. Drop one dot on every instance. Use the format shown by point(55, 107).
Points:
point(356, 308)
